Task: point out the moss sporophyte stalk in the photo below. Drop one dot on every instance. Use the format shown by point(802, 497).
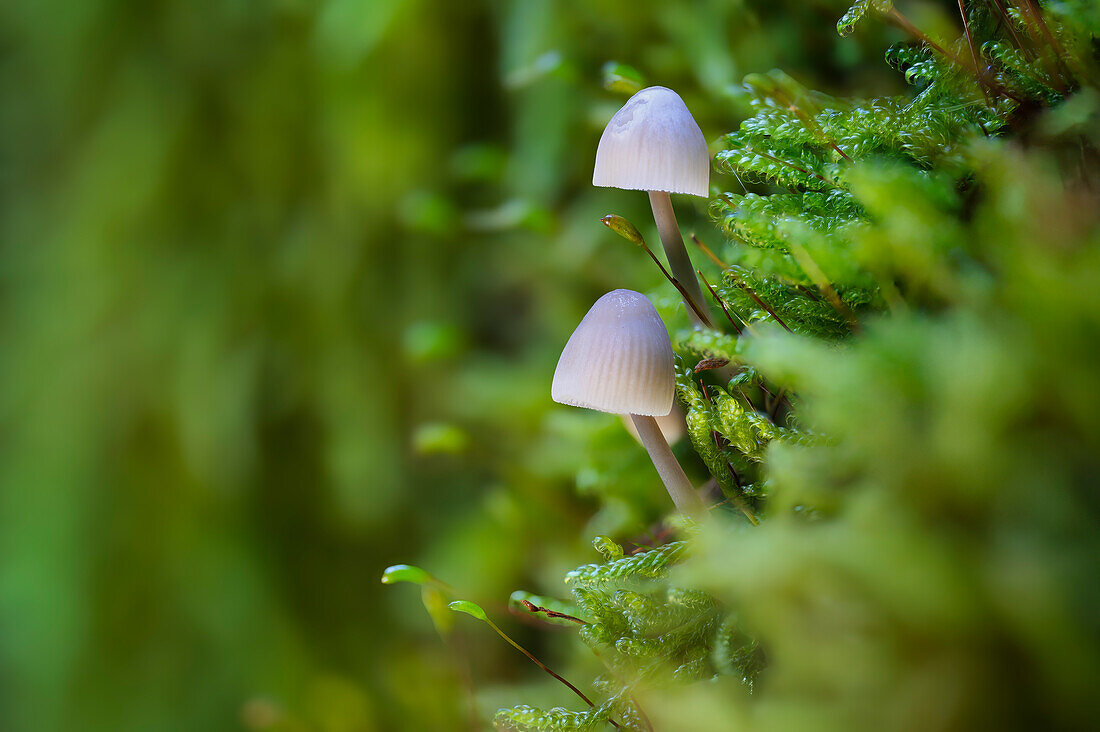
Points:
point(895, 413)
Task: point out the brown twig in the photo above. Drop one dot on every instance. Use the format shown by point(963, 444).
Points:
point(789, 164)
point(710, 363)
point(817, 275)
point(1059, 52)
point(676, 284)
point(762, 304)
point(550, 613)
point(782, 397)
point(627, 230)
point(973, 51)
point(774, 411)
point(907, 25)
point(809, 121)
point(736, 500)
point(737, 329)
point(1007, 22)
point(711, 255)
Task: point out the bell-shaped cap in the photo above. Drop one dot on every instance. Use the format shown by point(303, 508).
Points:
point(653, 144)
point(618, 360)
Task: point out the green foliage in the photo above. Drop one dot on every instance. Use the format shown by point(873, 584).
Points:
point(529, 719)
point(647, 631)
point(648, 565)
point(856, 13)
point(905, 394)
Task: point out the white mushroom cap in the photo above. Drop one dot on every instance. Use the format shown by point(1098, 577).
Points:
point(653, 144)
point(618, 360)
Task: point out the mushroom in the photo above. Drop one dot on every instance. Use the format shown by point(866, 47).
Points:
point(619, 360)
point(653, 144)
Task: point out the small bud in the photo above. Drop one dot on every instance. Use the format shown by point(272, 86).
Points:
point(621, 78)
point(711, 363)
point(470, 608)
point(623, 228)
point(608, 548)
point(405, 573)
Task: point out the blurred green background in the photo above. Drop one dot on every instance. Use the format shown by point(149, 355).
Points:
point(282, 286)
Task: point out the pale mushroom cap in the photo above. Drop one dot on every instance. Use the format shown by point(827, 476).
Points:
point(618, 360)
point(653, 144)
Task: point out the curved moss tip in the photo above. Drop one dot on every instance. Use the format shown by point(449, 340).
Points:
point(607, 548)
point(470, 608)
point(405, 573)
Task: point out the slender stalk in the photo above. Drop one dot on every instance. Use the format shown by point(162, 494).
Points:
point(905, 24)
point(545, 668)
point(737, 500)
point(737, 328)
point(711, 255)
point(809, 121)
point(672, 475)
point(1060, 55)
point(809, 266)
point(551, 613)
point(1007, 22)
point(789, 164)
point(698, 316)
point(676, 253)
point(767, 308)
point(973, 51)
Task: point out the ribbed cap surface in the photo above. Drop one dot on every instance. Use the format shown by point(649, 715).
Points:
point(618, 360)
point(653, 144)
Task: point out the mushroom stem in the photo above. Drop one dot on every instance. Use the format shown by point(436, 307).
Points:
point(672, 475)
point(676, 253)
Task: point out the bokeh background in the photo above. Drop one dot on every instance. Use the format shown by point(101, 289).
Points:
point(282, 286)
